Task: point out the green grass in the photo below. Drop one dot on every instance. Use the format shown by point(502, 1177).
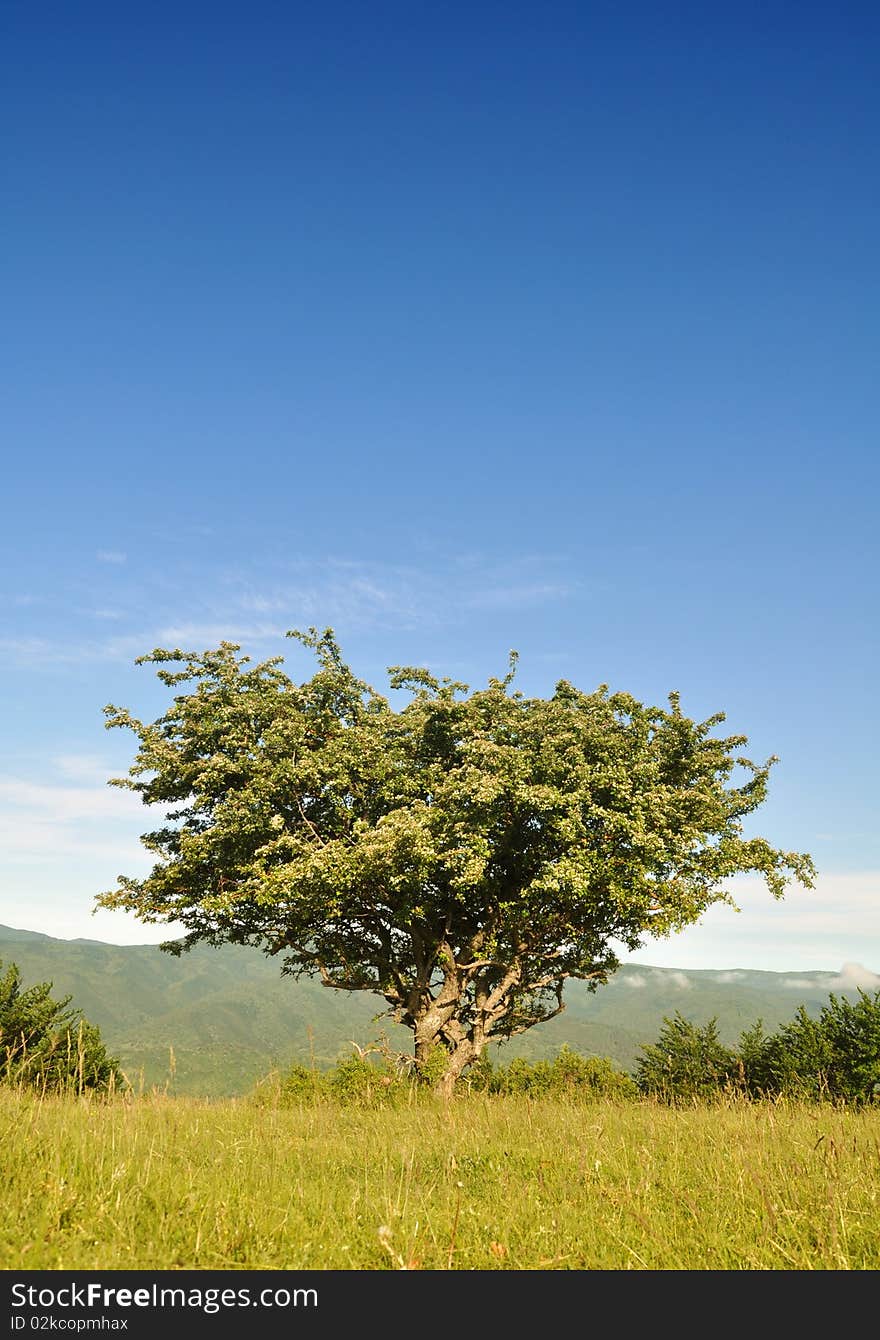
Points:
point(483, 1183)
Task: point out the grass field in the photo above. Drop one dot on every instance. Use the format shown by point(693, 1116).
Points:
point(483, 1183)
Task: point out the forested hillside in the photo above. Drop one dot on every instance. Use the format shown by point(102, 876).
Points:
point(213, 1021)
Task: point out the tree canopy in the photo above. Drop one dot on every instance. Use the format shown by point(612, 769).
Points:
point(461, 855)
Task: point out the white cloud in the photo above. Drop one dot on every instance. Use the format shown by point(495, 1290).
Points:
point(67, 804)
point(44, 653)
point(350, 595)
point(851, 977)
point(68, 914)
point(196, 636)
point(361, 594)
point(856, 975)
point(63, 842)
point(652, 977)
point(83, 767)
point(516, 595)
point(807, 930)
point(59, 827)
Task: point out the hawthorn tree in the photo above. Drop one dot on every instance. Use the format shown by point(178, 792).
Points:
point(461, 856)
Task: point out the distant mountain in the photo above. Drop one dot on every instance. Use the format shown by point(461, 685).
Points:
point(214, 1021)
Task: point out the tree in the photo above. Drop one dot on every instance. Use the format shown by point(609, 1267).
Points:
point(686, 1063)
point(461, 856)
point(834, 1056)
point(45, 1045)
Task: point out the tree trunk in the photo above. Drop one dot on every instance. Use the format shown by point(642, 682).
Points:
point(465, 1052)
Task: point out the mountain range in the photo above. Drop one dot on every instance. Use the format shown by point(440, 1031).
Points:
point(214, 1021)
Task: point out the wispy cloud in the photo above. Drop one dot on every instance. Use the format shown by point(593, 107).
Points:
point(815, 929)
point(257, 607)
point(651, 977)
point(48, 653)
point(197, 636)
point(851, 977)
point(83, 768)
point(48, 823)
point(360, 594)
point(518, 595)
point(67, 804)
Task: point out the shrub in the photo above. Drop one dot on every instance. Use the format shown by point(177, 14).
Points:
point(852, 1030)
point(365, 1083)
point(591, 1077)
point(46, 1045)
point(299, 1084)
point(835, 1056)
point(757, 1063)
point(570, 1073)
point(687, 1063)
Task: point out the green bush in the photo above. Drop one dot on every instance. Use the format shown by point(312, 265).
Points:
point(832, 1057)
point(570, 1073)
point(381, 1080)
point(360, 1081)
point(356, 1080)
point(45, 1045)
point(591, 1077)
point(687, 1063)
point(299, 1084)
point(852, 1031)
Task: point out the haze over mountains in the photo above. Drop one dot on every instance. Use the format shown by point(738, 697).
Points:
point(213, 1022)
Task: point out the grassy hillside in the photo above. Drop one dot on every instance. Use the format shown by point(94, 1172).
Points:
point(479, 1184)
point(213, 1021)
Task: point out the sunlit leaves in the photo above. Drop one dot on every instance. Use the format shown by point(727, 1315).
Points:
point(462, 854)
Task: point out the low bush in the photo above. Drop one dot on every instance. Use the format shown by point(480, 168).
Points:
point(687, 1063)
point(46, 1045)
point(384, 1079)
point(832, 1057)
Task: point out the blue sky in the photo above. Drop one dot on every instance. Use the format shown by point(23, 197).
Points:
point(461, 329)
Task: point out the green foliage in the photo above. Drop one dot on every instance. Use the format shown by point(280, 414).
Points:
point(461, 857)
point(45, 1045)
point(533, 1078)
point(833, 1057)
point(299, 1084)
point(568, 1074)
point(852, 1030)
point(591, 1076)
point(371, 1080)
point(686, 1063)
point(357, 1080)
point(756, 1062)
